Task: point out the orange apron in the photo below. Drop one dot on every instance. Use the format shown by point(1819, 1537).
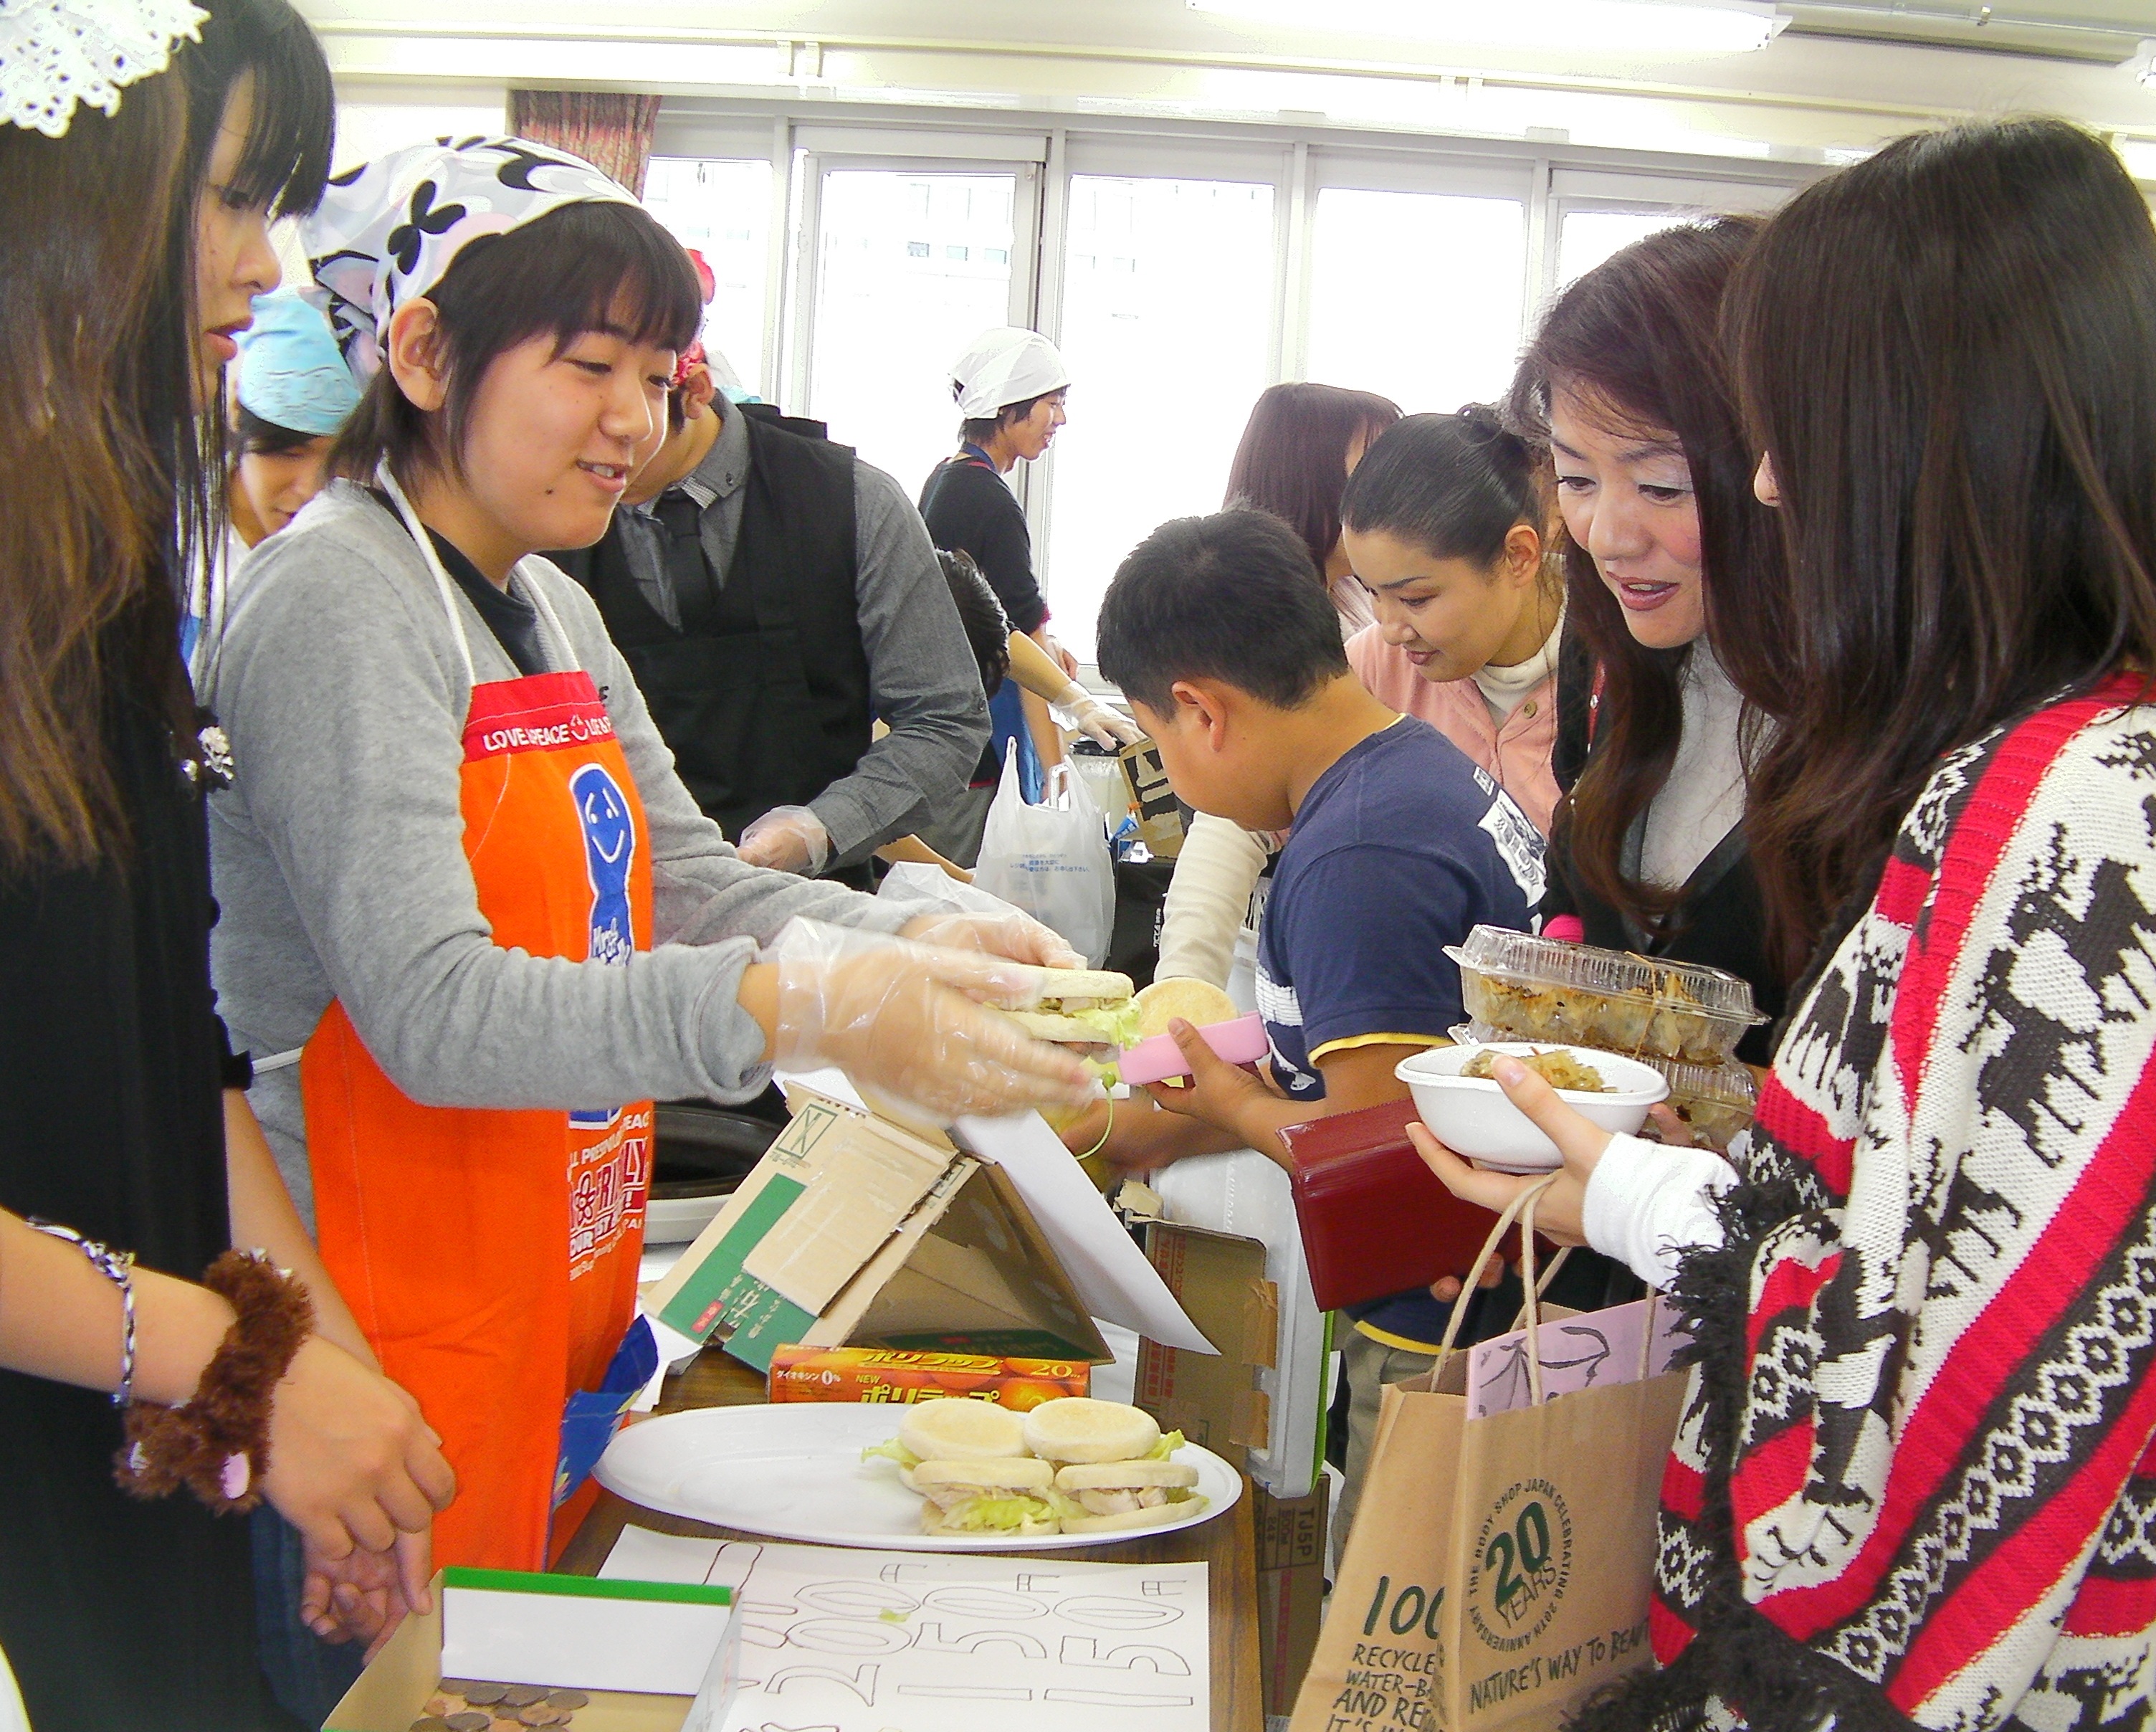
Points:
point(492, 1255)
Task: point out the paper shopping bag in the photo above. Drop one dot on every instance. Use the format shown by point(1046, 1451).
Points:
point(1500, 1569)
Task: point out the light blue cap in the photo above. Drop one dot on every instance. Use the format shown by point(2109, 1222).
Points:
point(291, 373)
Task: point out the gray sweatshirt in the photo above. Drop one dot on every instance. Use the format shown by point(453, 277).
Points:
point(339, 862)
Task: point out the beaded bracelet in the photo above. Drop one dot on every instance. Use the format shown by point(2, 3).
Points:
point(118, 1268)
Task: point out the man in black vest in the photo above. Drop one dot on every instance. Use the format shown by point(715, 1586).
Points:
point(775, 597)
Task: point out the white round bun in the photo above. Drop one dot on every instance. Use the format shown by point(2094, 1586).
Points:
point(1200, 1003)
point(1076, 1428)
point(1008, 1474)
point(1122, 1476)
point(1152, 1517)
point(954, 1429)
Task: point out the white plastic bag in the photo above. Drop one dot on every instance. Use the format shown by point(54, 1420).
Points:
point(1051, 860)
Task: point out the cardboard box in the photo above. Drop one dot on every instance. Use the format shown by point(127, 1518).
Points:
point(1160, 819)
point(645, 1652)
point(856, 1231)
point(1214, 1398)
point(884, 1374)
point(1292, 1553)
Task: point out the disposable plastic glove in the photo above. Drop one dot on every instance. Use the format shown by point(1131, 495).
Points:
point(905, 1020)
point(1017, 935)
point(1075, 706)
point(787, 839)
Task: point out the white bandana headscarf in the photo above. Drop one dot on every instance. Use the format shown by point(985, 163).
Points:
point(1003, 366)
point(387, 232)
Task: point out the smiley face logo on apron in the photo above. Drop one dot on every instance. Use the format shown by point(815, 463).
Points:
point(609, 852)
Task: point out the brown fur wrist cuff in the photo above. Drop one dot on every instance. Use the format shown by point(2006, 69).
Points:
point(217, 1445)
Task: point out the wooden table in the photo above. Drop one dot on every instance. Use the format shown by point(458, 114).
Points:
point(1224, 1544)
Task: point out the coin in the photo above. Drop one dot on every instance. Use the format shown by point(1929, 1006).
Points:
point(441, 1707)
point(522, 1696)
point(542, 1714)
point(471, 1720)
point(455, 1686)
point(484, 1695)
point(507, 1722)
point(571, 1699)
point(431, 1722)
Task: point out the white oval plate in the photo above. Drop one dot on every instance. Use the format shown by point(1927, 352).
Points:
point(795, 1472)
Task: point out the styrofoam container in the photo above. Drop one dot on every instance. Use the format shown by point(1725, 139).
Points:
point(1472, 1117)
point(1716, 1101)
point(1157, 1058)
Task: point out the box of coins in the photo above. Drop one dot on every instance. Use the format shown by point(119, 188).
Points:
point(888, 1373)
point(504, 1651)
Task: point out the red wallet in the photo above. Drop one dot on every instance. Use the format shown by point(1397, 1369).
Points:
point(1375, 1220)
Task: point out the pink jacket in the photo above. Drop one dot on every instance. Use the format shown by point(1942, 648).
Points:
point(1517, 754)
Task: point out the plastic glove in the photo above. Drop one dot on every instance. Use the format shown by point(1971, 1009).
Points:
point(905, 1020)
point(1075, 706)
point(787, 839)
point(1017, 935)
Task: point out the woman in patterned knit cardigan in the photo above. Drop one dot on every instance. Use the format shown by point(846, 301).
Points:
point(1915, 1483)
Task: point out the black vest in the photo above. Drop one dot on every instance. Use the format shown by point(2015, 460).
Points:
point(766, 703)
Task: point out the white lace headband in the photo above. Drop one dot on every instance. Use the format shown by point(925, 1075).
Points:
point(55, 53)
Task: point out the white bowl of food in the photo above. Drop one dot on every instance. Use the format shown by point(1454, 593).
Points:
point(1471, 1116)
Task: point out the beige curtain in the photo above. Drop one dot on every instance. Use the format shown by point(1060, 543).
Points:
point(610, 131)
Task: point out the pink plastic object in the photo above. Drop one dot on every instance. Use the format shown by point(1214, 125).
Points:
point(1565, 928)
point(1240, 1042)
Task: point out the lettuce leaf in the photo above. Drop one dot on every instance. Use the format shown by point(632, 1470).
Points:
point(989, 1513)
point(893, 1451)
point(1117, 1024)
point(1166, 1447)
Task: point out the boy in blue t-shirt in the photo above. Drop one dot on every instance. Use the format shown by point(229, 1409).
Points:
point(1223, 640)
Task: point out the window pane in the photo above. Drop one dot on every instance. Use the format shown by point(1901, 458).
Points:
point(1417, 295)
point(1590, 236)
point(1167, 326)
point(723, 210)
point(912, 268)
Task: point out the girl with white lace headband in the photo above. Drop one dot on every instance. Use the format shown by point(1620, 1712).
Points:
point(1915, 1484)
point(142, 147)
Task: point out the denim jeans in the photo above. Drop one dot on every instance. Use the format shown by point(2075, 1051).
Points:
point(308, 1674)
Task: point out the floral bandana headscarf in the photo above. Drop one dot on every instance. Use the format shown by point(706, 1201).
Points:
point(387, 231)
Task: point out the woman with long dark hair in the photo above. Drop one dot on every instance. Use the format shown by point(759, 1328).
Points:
point(121, 1613)
point(1664, 540)
point(1913, 1484)
point(1298, 448)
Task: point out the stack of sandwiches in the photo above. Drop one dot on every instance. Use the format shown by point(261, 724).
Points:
point(1074, 1466)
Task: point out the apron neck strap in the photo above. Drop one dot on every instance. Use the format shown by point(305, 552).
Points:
point(426, 546)
point(553, 619)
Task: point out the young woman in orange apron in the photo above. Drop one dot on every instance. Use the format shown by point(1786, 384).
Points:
point(464, 888)
point(483, 1247)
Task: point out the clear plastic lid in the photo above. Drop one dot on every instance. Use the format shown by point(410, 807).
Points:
point(1541, 990)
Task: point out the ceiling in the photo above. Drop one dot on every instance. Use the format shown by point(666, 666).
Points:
point(1843, 76)
point(2101, 30)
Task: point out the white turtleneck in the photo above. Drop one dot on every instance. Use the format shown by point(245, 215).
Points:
point(1703, 799)
point(1505, 689)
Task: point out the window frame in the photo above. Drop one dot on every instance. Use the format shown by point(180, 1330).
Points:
point(1552, 178)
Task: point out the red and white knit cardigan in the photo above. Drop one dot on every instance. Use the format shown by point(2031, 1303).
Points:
point(1915, 1484)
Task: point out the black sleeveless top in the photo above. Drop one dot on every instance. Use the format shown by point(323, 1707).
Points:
point(115, 1613)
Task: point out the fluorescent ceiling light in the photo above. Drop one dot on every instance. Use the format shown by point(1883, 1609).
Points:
point(1644, 27)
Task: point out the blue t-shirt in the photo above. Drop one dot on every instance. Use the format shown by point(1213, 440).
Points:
point(1399, 849)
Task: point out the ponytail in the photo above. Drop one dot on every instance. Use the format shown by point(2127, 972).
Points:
point(1453, 485)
